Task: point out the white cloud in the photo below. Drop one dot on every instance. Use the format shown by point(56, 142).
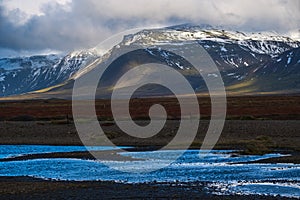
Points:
point(31, 7)
point(28, 9)
point(71, 24)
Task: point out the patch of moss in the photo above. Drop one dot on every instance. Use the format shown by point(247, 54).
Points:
point(259, 146)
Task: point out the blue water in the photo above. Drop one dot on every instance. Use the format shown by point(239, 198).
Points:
point(222, 171)
point(7, 151)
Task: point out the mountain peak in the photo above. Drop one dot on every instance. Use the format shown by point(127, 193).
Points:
point(239, 55)
point(266, 42)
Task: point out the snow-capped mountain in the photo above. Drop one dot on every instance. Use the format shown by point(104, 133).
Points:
point(261, 43)
point(250, 63)
point(242, 58)
point(25, 74)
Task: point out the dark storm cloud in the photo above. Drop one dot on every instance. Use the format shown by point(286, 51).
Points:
point(56, 29)
point(83, 24)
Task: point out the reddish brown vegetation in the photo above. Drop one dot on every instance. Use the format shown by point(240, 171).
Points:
point(248, 107)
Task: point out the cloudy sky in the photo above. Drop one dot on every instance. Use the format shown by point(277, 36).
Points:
point(42, 26)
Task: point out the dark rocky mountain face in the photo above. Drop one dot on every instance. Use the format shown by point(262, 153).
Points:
point(249, 63)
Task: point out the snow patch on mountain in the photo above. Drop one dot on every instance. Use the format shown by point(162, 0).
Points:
point(262, 43)
point(24, 74)
point(237, 54)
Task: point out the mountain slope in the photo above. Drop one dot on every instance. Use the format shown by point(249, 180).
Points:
point(26, 74)
point(250, 63)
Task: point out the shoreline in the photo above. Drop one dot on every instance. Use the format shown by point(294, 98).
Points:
point(112, 155)
point(253, 137)
point(237, 135)
point(35, 188)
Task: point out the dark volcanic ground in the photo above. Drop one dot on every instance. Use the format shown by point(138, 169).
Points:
point(36, 189)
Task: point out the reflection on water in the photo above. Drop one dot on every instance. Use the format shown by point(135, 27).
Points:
point(271, 188)
point(219, 169)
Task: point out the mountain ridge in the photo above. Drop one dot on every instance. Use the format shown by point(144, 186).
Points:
point(240, 57)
